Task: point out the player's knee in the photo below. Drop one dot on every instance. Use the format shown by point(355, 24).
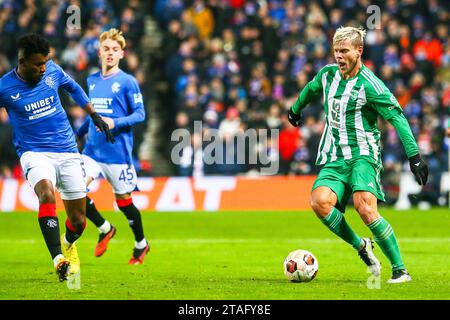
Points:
point(322, 205)
point(46, 196)
point(367, 212)
point(44, 191)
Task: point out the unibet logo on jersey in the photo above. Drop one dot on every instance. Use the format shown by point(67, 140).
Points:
point(102, 105)
point(40, 108)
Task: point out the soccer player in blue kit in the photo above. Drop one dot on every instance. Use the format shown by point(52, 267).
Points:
point(116, 95)
point(46, 145)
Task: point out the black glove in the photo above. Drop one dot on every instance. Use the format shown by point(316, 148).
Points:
point(103, 127)
point(294, 119)
point(419, 168)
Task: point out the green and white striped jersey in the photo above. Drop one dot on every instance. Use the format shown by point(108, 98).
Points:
point(352, 107)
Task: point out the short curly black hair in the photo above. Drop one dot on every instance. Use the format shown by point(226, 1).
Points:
point(33, 43)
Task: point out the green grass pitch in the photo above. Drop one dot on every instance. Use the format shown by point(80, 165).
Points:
point(227, 255)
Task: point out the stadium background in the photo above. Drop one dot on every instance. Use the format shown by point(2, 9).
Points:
point(240, 64)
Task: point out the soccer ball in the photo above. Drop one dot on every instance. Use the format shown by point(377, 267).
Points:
point(300, 266)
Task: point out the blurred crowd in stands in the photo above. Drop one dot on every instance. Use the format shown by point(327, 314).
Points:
point(236, 64)
point(240, 64)
point(74, 49)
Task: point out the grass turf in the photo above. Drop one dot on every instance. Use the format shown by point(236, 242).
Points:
point(226, 255)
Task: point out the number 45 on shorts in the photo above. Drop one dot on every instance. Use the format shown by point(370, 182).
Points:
point(126, 175)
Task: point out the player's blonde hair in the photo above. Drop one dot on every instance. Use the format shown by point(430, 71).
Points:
point(355, 35)
point(115, 35)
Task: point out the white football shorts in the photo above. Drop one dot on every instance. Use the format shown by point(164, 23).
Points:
point(122, 177)
point(65, 170)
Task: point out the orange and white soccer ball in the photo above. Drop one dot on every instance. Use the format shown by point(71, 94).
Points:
point(300, 266)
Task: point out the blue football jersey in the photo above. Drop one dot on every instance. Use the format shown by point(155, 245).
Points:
point(116, 96)
point(38, 119)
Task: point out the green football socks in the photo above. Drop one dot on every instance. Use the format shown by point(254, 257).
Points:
point(384, 236)
point(335, 221)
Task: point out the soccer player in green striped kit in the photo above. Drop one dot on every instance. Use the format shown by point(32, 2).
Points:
point(350, 151)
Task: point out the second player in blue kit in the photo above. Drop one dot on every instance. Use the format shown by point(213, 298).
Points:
point(115, 95)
